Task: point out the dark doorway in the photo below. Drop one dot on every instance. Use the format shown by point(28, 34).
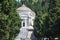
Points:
point(23, 24)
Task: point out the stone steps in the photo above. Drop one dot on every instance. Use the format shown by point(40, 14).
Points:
point(29, 35)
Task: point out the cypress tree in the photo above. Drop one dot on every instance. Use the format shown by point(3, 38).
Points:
point(54, 13)
point(10, 22)
point(41, 20)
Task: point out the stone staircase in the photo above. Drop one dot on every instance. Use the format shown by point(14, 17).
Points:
point(25, 34)
point(27, 38)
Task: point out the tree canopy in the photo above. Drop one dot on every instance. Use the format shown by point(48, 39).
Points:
point(46, 23)
point(10, 22)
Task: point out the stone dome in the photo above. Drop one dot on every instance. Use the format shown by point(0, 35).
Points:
point(23, 8)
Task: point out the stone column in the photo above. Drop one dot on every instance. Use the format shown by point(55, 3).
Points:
point(22, 23)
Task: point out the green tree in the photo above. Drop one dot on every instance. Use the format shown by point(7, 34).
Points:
point(41, 25)
point(54, 13)
point(9, 20)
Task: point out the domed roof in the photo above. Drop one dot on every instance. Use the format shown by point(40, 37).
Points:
point(25, 10)
point(23, 7)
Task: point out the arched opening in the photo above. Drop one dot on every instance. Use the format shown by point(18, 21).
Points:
point(23, 24)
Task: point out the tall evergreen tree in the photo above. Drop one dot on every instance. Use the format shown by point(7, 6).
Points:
point(41, 25)
point(54, 13)
point(9, 20)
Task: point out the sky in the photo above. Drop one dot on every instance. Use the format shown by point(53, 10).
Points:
point(17, 0)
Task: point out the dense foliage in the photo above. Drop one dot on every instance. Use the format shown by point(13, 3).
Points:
point(48, 26)
point(54, 17)
point(46, 23)
point(9, 20)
